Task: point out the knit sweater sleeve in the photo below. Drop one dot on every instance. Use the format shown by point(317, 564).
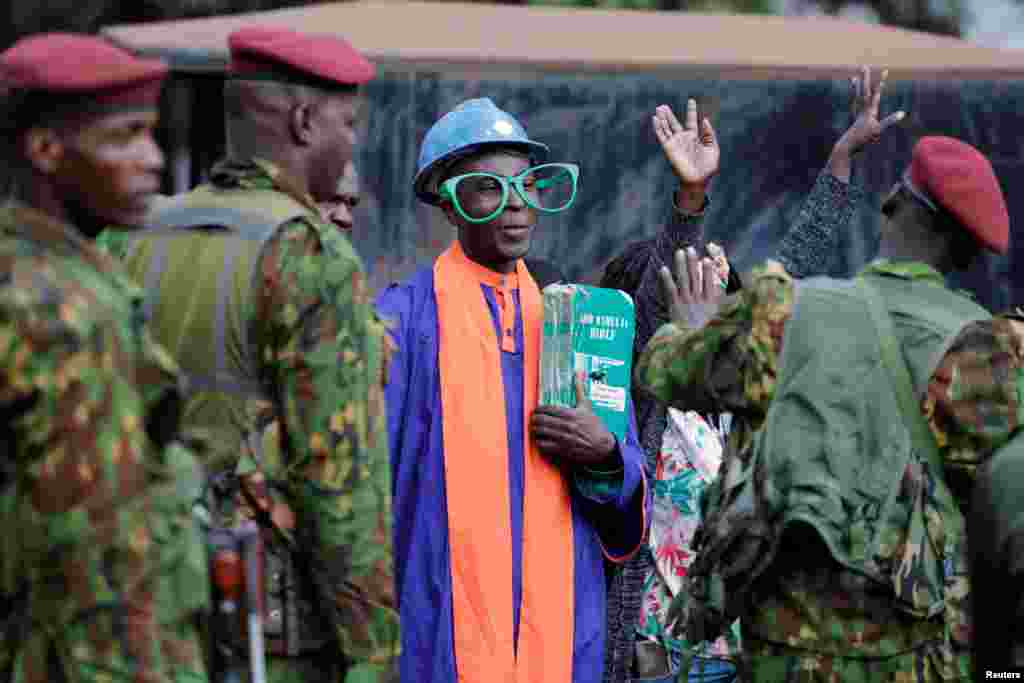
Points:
point(810, 246)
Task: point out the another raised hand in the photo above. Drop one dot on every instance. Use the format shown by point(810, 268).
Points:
point(867, 129)
point(691, 149)
point(696, 292)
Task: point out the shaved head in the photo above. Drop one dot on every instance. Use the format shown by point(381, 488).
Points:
point(261, 109)
point(913, 231)
point(307, 131)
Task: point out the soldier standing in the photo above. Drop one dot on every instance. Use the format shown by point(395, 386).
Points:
point(102, 567)
point(837, 537)
point(995, 531)
point(263, 303)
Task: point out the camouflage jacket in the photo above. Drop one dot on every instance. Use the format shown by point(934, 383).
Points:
point(807, 249)
point(996, 531)
point(321, 352)
point(97, 494)
point(971, 407)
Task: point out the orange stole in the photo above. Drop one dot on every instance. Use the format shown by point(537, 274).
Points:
point(476, 481)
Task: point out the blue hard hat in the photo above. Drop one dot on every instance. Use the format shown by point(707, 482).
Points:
point(471, 126)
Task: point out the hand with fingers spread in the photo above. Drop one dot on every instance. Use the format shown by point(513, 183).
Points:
point(867, 129)
point(691, 149)
point(573, 436)
point(695, 294)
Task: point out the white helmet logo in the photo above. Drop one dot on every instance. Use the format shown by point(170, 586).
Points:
point(503, 128)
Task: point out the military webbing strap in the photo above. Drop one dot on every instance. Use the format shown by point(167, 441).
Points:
point(247, 226)
point(912, 416)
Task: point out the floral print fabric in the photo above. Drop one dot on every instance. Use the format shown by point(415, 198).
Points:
point(688, 461)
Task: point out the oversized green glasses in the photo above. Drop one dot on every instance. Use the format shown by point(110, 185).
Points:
point(481, 197)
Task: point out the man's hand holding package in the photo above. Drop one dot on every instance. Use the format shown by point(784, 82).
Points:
point(574, 436)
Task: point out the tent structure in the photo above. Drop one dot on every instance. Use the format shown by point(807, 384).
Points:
point(442, 36)
point(586, 82)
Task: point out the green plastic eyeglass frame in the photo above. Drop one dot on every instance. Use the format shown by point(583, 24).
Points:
point(448, 190)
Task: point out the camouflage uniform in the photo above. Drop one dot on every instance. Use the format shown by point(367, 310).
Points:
point(808, 248)
point(320, 357)
point(807, 619)
point(97, 494)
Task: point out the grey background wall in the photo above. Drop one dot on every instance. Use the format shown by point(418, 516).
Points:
point(775, 137)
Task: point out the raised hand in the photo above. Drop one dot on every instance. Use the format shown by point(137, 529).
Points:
point(691, 149)
point(867, 128)
point(696, 293)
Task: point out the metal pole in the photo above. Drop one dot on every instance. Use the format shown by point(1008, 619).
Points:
point(253, 553)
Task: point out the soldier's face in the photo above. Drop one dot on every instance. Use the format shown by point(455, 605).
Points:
point(110, 166)
point(338, 209)
point(337, 118)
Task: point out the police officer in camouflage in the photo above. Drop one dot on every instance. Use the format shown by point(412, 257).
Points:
point(263, 304)
point(995, 533)
point(837, 536)
point(102, 568)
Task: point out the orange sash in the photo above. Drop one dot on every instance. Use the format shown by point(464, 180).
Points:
point(477, 485)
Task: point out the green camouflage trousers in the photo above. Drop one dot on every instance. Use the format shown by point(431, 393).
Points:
point(325, 667)
point(764, 662)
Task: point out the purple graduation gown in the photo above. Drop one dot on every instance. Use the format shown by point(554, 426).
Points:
point(612, 518)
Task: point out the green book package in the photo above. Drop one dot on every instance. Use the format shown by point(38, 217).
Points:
point(588, 329)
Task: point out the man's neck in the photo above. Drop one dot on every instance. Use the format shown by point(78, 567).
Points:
point(44, 197)
point(503, 268)
point(288, 163)
point(900, 253)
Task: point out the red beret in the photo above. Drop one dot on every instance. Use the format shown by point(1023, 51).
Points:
point(70, 64)
point(325, 58)
point(959, 178)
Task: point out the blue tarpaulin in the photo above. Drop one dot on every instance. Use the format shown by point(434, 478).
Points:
point(775, 137)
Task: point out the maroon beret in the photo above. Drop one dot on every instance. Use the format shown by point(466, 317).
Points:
point(267, 51)
point(959, 178)
point(70, 64)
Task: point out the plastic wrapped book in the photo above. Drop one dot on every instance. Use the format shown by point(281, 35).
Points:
point(588, 330)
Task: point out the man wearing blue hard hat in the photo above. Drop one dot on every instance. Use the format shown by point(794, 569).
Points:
point(504, 510)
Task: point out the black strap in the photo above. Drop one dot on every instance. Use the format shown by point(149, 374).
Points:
point(913, 419)
point(900, 376)
point(247, 225)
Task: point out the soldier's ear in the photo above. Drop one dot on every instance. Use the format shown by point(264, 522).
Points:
point(300, 124)
point(43, 148)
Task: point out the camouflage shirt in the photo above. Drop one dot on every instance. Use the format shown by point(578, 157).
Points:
point(321, 349)
point(971, 406)
point(97, 493)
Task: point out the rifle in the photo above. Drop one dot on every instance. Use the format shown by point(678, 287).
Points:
point(237, 564)
point(252, 551)
point(306, 562)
